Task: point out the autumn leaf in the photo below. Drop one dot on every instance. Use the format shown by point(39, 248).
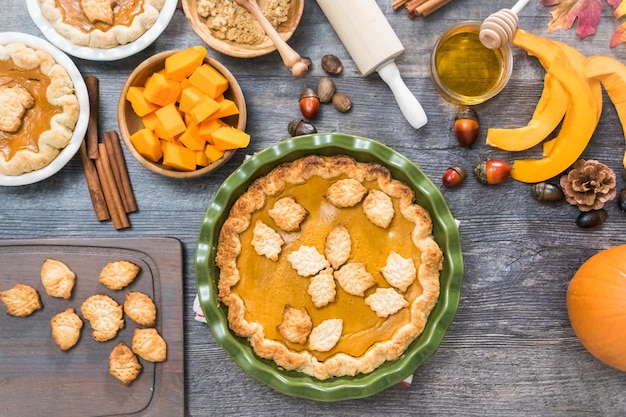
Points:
point(619, 36)
point(566, 12)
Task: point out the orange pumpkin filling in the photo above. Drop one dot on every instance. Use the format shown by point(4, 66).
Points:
point(266, 286)
point(124, 12)
point(37, 119)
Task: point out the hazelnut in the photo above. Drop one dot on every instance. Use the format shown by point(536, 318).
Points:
point(331, 64)
point(342, 102)
point(326, 89)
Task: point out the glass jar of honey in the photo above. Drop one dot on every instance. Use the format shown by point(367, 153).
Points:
point(464, 70)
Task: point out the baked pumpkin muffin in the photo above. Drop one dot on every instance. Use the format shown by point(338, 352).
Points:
point(347, 289)
point(101, 23)
point(38, 108)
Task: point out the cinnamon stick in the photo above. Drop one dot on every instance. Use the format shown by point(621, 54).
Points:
point(397, 4)
point(120, 170)
point(111, 193)
point(93, 85)
point(93, 185)
point(430, 6)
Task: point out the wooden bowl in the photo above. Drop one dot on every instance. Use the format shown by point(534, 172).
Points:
point(240, 50)
point(130, 123)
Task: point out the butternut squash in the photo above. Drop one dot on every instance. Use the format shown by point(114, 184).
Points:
point(171, 120)
point(212, 153)
point(182, 64)
point(208, 80)
point(548, 114)
point(178, 157)
point(553, 102)
point(147, 144)
point(189, 97)
point(228, 137)
point(161, 91)
point(226, 108)
point(207, 127)
point(191, 138)
point(612, 74)
point(204, 108)
point(578, 126)
point(201, 159)
point(138, 101)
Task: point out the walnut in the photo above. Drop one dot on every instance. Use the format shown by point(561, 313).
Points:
point(589, 184)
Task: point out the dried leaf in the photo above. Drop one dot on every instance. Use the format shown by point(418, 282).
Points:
point(566, 12)
point(619, 35)
point(620, 8)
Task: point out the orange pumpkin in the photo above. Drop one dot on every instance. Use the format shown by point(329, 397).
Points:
point(596, 304)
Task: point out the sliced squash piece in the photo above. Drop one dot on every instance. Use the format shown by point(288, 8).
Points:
point(578, 126)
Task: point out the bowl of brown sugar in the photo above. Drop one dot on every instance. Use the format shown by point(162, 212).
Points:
point(232, 30)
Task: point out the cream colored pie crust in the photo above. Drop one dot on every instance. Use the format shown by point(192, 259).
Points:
point(101, 23)
point(293, 308)
point(38, 107)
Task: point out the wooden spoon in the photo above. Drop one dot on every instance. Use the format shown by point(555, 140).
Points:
point(291, 58)
point(500, 27)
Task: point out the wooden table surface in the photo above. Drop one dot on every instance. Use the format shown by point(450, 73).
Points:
point(510, 350)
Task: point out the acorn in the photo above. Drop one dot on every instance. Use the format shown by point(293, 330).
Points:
point(299, 127)
point(593, 218)
point(466, 126)
point(543, 191)
point(454, 176)
point(309, 103)
point(492, 171)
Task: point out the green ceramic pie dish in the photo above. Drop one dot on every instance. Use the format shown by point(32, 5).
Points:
point(445, 232)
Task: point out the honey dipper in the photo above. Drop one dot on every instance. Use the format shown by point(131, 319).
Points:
point(291, 58)
point(500, 27)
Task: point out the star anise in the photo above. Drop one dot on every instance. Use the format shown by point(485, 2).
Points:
point(589, 184)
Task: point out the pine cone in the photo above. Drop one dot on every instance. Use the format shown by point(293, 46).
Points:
point(589, 184)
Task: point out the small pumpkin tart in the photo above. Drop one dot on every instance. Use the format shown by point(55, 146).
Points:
point(359, 276)
point(101, 23)
point(38, 109)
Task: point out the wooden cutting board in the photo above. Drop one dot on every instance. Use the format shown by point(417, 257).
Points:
point(38, 379)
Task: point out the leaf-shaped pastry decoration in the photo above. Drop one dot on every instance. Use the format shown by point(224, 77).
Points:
point(566, 12)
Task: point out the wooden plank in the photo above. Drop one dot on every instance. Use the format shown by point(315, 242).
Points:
point(33, 367)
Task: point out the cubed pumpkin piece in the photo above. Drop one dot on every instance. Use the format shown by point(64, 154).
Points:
point(227, 108)
point(228, 137)
point(201, 158)
point(138, 102)
point(161, 133)
point(189, 97)
point(213, 153)
point(207, 127)
point(182, 63)
point(150, 121)
point(171, 120)
point(160, 90)
point(191, 138)
point(209, 80)
point(147, 144)
point(178, 157)
point(204, 108)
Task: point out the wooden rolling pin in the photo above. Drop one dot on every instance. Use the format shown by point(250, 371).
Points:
point(373, 45)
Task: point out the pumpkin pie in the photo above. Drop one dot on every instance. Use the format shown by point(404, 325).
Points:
point(101, 23)
point(38, 107)
point(353, 273)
